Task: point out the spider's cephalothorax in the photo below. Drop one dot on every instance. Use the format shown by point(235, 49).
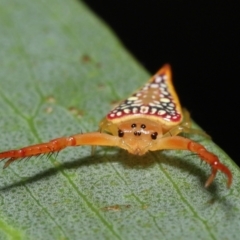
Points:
point(139, 135)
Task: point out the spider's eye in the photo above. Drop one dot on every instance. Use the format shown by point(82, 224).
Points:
point(133, 125)
point(143, 126)
point(154, 135)
point(138, 133)
point(120, 133)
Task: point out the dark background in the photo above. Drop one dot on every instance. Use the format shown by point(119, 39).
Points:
point(200, 41)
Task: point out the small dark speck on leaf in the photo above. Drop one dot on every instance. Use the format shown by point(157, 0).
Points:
point(116, 208)
point(76, 112)
point(211, 201)
point(86, 58)
point(101, 86)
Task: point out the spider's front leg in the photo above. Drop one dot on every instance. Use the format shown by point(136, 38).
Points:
point(56, 145)
point(177, 142)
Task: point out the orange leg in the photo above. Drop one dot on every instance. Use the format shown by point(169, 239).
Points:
point(56, 145)
point(177, 142)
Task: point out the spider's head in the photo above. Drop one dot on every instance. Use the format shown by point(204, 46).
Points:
point(138, 135)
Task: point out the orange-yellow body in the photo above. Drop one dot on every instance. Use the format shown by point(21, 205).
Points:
point(149, 120)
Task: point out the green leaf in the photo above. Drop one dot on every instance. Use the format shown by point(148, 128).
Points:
point(61, 71)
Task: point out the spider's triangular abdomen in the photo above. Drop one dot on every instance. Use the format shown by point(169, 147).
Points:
point(156, 100)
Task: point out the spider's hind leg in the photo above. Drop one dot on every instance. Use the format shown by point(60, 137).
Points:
point(185, 127)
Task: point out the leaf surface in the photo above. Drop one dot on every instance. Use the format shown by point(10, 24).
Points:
point(61, 71)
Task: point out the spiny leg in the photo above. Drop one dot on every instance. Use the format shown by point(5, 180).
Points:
point(56, 145)
point(178, 142)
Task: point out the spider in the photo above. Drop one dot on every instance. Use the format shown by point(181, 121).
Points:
point(149, 120)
